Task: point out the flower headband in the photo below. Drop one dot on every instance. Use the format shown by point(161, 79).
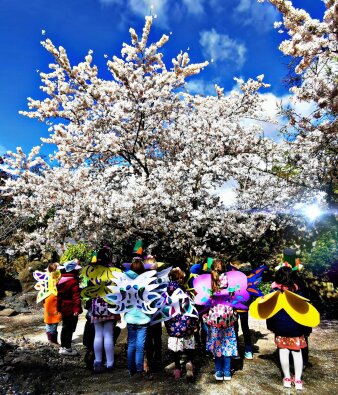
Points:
point(298, 265)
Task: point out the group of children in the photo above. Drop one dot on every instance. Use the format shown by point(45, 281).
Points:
point(218, 321)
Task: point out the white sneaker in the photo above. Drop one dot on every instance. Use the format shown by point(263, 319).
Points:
point(68, 351)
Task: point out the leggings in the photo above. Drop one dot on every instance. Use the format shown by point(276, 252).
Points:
point(104, 338)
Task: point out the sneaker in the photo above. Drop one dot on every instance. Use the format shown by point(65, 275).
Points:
point(177, 373)
point(98, 367)
point(298, 384)
point(227, 376)
point(219, 376)
point(190, 370)
point(68, 351)
point(248, 355)
point(287, 382)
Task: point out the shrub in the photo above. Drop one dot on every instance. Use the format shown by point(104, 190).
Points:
point(77, 251)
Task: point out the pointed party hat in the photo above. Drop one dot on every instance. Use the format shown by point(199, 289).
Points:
point(138, 247)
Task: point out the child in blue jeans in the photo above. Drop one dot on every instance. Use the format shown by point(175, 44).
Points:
point(137, 326)
point(221, 337)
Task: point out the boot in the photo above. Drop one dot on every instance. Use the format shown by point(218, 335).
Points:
point(54, 338)
point(49, 336)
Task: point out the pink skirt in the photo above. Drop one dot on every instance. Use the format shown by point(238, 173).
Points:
point(291, 343)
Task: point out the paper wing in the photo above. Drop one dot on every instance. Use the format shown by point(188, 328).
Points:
point(266, 306)
point(300, 309)
point(98, 274)
point(95, 291)
point(237, 285)
point(129, 293)
point(254, 278)
point(202, 286)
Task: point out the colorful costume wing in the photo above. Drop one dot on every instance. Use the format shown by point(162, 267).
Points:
point(46, 284)
point(162, 279)
point(127, 293)
point(189, 285)
point(234, 295)
point(298, 308)
point(101, 277)
point(160, 264)
point(197, 268)
point(202, 286)
point(254, 278)
point(178, 302)
point(266, 306)
point(95, 291)
point(98, 274)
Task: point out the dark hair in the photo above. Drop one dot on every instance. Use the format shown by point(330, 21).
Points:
point(137, 265)
point(284, 276)
point(104, 256)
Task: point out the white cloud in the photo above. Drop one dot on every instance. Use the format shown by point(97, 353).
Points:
point(162, 9)
point(260, 16)
point(194, 6)
point(222, 48)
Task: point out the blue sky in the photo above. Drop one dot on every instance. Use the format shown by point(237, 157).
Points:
point(237, 34)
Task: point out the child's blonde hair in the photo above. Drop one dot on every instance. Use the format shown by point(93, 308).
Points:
point(217, 267)
point(151, 261)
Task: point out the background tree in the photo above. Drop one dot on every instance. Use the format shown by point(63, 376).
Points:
point(313, 46)
point(311, 159)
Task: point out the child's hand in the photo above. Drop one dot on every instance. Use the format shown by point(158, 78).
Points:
point(75, 314)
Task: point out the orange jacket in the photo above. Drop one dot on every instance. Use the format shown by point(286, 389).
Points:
point(51, 314)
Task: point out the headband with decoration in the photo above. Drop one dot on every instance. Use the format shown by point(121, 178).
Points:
point(289, 260)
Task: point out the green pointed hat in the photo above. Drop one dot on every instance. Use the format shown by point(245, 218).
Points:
point(289, 256)
point(138, 247)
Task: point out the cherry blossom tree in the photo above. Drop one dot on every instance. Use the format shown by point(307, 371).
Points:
point(313, 45)
point(139, 157)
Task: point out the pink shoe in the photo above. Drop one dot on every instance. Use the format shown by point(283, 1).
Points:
point(177, 373)
point(287, 382)
point(298, 384)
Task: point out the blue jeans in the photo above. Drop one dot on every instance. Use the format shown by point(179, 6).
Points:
point(222, 364)
point(136, 340)
point(52, 328)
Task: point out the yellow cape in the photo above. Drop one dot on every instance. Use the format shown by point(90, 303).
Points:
point(298, 308)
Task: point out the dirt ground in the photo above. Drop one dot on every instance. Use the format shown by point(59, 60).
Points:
point(29, 365)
